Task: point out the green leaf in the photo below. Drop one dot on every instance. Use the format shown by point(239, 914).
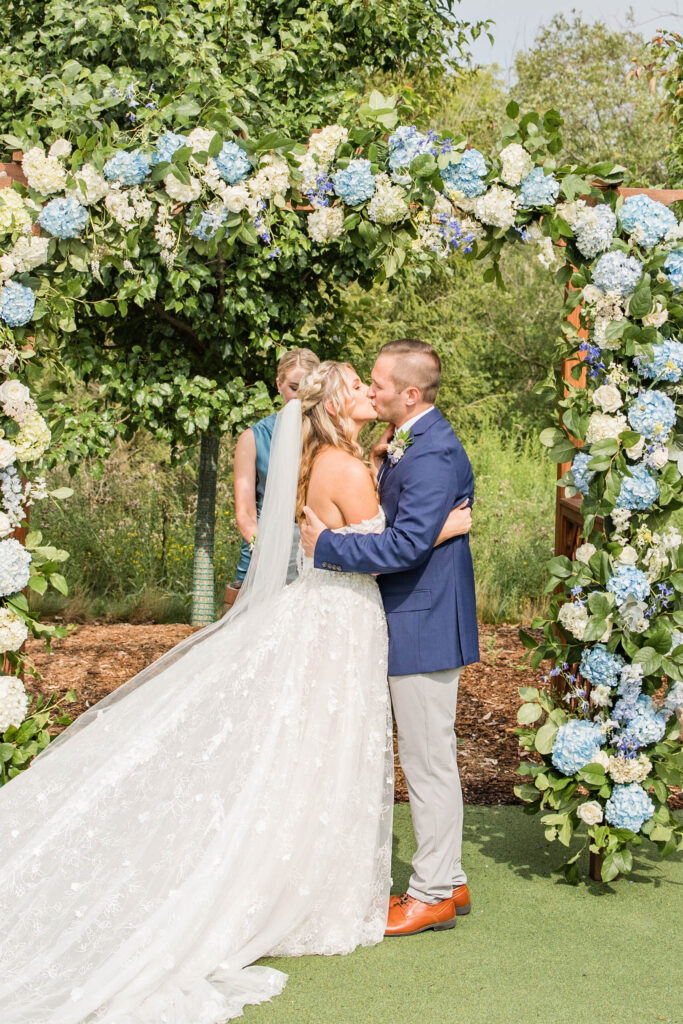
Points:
point(528, 693)
point(59, 583)
point(545, 738)
point(529, 713)
point(105, 308)
point(526, 791)
point(640, 303)
point(649, 659)
point(61, 493)
point(512, 110)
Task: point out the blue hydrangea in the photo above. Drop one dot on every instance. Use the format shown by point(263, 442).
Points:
point(467, 176)
point(600, 667)
point(405, 144)
point(356, 183)
point(647, 220)
point(64, 218)
point(582, 475)
point(128, 168)
point(652, 414)
point(539, 189)
point(576, 745)
point(629, 580)
point(616, 272)
point(595, 230)
point(233, 163)
point(629, 807)
point(14, 567)
point(17, 303)
point(638, 491)
point(666, 363)
point(644, 724)
point(673, 268)
point(167, 144)
point(209, 221)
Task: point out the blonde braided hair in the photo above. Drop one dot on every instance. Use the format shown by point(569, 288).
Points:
point(321, 428)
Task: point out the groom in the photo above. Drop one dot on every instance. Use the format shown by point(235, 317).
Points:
point(428, 596)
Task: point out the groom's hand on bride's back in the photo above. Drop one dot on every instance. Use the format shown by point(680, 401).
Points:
point(311, 528)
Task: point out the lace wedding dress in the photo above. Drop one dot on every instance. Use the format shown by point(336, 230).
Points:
point(236, 805)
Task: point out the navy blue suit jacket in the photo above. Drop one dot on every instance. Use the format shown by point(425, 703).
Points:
point(428, 592)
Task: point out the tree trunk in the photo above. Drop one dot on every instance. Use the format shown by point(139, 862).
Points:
point(203, 611)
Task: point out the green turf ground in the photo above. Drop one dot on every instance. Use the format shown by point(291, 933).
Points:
point(533, 951)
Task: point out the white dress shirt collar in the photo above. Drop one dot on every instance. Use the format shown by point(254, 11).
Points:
point(411, 422)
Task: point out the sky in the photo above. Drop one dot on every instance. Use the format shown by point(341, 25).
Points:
point(518, 20)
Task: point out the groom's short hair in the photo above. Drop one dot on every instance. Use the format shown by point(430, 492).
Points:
point(416, 364)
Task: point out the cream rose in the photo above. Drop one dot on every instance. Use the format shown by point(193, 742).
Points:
point(14, 391)
point(608, 398)
point(7, 453)
point(585, 552)
point(590, 812)
point(628, 555)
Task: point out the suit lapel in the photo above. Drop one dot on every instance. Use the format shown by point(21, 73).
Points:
point(387, 471)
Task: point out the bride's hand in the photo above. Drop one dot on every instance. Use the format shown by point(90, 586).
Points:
point(459, 521)
point(379, 449)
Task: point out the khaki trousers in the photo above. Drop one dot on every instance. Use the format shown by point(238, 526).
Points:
point(424, 709)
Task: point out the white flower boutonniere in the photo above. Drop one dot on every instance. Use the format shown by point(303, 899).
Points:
point(396, 448)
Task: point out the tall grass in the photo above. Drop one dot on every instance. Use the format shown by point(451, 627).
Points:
point(130, 533)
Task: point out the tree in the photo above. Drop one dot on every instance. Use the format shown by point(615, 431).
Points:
point(665, 55)
point(184, 353)
point(582, 70)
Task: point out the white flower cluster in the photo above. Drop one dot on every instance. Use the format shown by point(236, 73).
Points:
point(607, 398)
point(43, 173)
point(271, 179)
point(16, 401)
point(574, 618)
point(326, 223)
point(495, 207)
point(515, 164)
point(658, 317)
point(8, 453)
point(13, 702)
point(235, 197)
point(624, 770)
point(33, 438)
point(91, 186)
point(590, 812)
point(181, 192)
point(14, 212)
point(601, 426)
point(324, 144)
point(13, 630)
point(388, 204)
point(661, 553)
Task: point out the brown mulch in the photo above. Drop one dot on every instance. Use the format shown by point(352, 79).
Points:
point(98, 657)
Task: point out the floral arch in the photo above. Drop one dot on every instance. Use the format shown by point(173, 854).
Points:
point(371, 202)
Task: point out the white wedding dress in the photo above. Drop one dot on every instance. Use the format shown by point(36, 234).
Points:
point(236, 805)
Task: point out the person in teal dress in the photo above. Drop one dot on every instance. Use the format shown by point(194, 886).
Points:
point(252, 455)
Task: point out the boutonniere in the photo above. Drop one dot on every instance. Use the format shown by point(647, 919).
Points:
point(398, 445)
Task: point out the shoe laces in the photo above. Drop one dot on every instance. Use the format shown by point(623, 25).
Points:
point(405, 898)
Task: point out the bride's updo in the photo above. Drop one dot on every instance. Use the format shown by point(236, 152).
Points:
point(324, 393)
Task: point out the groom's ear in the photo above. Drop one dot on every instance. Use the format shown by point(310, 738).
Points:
point(413, 394)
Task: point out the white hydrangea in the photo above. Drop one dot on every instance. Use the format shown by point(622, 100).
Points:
point(14, 214)
point(590, 812)
point(200, 139)
point(33, 438)
point(658, 316)
point(116, 202)
point(585, 552)
point(591, 295)
point(35, 490)
point(60, 148)
point(574, 618)
point(13, 702)
point(546, 256)
point(388, 204)
point(13, 630)
point(271, 179)
point(601, 426)
point(326, 223)
point(572, 212)
point(516, 164)
point(29, 252)
point(602, 757)
point(658, 457)
point(655, 560)
point(163, 232)
point(442, 207)
point(6, 526)
point(182, 193)
point(15, 561)
point(310, 170)
point(607, 398)
point(324, 144)
point(624, 770)
point(7, 268)
point(43, 173)
point(495, 207)
point(235, 197)
point(671, 538)
point(7, 359)
point(96, 187)
point(8, 453)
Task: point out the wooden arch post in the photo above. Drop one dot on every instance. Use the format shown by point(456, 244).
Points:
point(568, 517)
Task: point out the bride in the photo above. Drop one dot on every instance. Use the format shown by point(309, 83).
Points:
point(233, 800)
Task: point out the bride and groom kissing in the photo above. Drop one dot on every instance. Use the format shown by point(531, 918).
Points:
point(234, 800)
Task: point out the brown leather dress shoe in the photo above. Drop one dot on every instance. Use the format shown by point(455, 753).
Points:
point(408, 916)
point(461, 895)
